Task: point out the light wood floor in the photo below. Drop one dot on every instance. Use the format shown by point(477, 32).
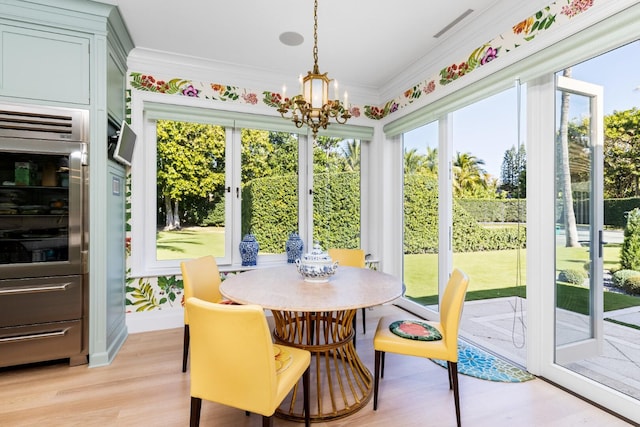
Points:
point(144, 386)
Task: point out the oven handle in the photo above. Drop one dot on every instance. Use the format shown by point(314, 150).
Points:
point(35, 336)
point(35, 289)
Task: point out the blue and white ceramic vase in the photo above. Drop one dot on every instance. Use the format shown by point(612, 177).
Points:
point(249, 250)
point(294, 247)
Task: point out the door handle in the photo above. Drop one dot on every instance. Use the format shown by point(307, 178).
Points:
point(600, 244)
point(55, 334)
point(35, 289)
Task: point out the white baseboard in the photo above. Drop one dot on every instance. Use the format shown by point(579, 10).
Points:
point(146, 321)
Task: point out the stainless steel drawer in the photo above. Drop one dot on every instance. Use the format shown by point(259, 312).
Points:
point(39, 300)
point(37, 343)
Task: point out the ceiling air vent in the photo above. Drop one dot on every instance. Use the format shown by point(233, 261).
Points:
point(453, 23)
point(48, 123)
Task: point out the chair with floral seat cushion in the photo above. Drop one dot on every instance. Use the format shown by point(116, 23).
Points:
point(235, 363)
point(350, 258)
point(434, 340)
point(201, 279)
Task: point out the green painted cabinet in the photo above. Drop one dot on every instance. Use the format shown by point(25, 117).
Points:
point(73, 53)
point(44, 65)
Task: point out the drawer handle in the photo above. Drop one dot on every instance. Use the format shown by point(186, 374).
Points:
point(35, 336)
point(35, 289)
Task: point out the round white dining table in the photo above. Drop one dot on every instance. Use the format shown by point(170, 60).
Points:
point(319, 317)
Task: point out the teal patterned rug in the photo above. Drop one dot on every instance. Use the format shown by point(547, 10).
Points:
point(478, 363)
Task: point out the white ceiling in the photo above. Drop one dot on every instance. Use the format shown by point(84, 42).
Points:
point(368, 45)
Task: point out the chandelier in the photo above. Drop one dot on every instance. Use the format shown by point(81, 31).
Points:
point(313, 107)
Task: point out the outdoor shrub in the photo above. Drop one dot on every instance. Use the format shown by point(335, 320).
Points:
point(587, 267)
point(621, 276)
point(215, 216)
point(630, 252)
point(632, 285)
point(575, 277)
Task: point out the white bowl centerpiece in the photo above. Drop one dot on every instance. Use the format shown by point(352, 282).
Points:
point(316, 266)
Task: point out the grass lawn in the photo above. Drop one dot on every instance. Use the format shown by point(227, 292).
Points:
point(570, 297)
point(492, 273)
point(191, 242)
point(487, 270)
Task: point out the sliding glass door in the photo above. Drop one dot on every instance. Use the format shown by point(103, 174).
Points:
point(421, 219)
point(579, 219)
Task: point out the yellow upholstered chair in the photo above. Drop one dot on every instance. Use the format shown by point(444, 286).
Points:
point(350, 258)
point(446, 348)
point(235, 363)
point(201, 279)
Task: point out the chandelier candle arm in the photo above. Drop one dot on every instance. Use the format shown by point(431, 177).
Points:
point(312, 107)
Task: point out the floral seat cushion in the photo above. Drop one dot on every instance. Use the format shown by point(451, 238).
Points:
point(415, 330)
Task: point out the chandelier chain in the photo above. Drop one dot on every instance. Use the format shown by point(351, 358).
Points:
point(315, 37)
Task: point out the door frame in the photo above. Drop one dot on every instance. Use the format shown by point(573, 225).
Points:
point(591, 346)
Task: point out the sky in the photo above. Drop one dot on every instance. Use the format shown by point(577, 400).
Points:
point(479, 128)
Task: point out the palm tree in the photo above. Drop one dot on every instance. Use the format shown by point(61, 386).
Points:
point(412, 161)
point(468, 173)
point(431, 160)
point(571, 236)
point(351, 153)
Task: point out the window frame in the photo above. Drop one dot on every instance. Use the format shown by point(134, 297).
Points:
point(147, 109)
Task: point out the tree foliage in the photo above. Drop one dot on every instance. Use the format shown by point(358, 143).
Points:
point(257, 150)
point(190, 164)
point(622, 154)
point(351, 155)
point(513, 172)
point(470, 179)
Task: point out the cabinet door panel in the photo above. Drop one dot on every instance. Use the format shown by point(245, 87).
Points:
point(44, 65)
point(115, 89)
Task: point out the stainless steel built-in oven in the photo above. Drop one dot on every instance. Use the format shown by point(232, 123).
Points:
point(43, 244)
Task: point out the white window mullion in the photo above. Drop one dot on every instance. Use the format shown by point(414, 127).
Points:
point(305, 187)
point(233, 202)
point(445, 206)
point(540, 222)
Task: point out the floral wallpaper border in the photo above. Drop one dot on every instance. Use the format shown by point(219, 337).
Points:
point(523, 32)
point(157, 293)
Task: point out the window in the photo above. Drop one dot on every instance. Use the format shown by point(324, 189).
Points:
point(191, 190)
point(421, 220)
point(336, 193)
point(269, 188)
point(210, 177)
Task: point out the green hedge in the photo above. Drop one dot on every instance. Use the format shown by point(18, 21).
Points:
point(513, 210)
point(420, 214)
point(336, 209)
point(615, 211)
point(269, 210)
point(496, 210)
point(421, 223)
point(469, 236)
